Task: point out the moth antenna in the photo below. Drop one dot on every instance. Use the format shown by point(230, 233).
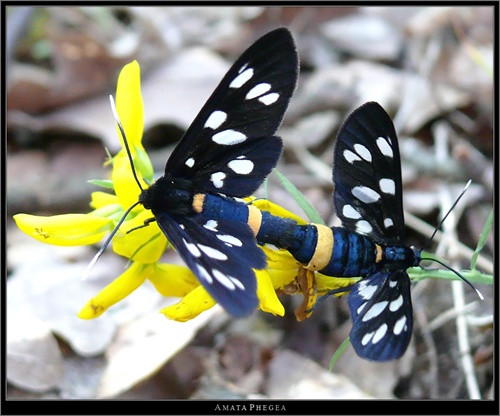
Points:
point(129, 154)
point(127, 148)
point(448, 213)
point(108, 240)
point(451, 269)
point(434, 233)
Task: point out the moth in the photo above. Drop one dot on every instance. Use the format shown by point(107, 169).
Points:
point(227, 152)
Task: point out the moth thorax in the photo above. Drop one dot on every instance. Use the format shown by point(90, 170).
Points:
point(166, 195)
point(400, 257)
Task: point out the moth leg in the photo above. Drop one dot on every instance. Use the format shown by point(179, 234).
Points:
point(146, 223)
point(329, 293)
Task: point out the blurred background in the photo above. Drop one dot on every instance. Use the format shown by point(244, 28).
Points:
point(431, 68)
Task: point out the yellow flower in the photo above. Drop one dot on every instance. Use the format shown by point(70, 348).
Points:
point(144, 246)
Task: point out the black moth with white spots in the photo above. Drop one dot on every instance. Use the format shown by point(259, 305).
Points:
point(368, 200)
point(229, 149)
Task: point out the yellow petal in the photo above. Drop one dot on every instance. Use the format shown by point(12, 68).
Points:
point(282, 278)
point(266, 205)
point(101, 199)
point(145, 244)
point(130, 110)
point(328, 283)
point(64, 230)
point(129, 105)
point(269, 301)
point(196, 302)
point(126, 188)
point(173, 280)
point(117, 290)
point(279, 259)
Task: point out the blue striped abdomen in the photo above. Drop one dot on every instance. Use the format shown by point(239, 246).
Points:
point(332, 251)
point(352, 255)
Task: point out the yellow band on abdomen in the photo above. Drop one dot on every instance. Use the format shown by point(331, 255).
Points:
point(378, 259)
point(254, 219)
point(324, 248)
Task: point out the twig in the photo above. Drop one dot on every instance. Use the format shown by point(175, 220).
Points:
point(450, 314)
point(459, 304)
point(480, 321)
point(431, 352)
point(312, 163)
point(463, 342)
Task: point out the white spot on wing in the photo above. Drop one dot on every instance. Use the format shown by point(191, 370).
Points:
point(388, 223)
point(351, 156)
point(363, 152)
point(361, 307)
point(237, 283)
point(349, 212)
point(217, 179)
point(270, 98)
point(190, 162)
point(387, 186)
point(204, 274)
point(241, 167)
point(375, 310)
point(384, 147)
point(363, 227)
point(396, 304)
point(192, 248)
point(242, 78)
point(365, 194)
point(258, 90)
point(229, 239)
point(215, 119)
point(225, 280)
point(366, 339)
point(228, 281)
point(379, 333)
point(400, 325)
point(366, 291)
point(229, 137)
point(211, 225)
point(212, 252)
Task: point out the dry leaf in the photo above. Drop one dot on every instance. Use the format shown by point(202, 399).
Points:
point(34, 361)
point(143, 346)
